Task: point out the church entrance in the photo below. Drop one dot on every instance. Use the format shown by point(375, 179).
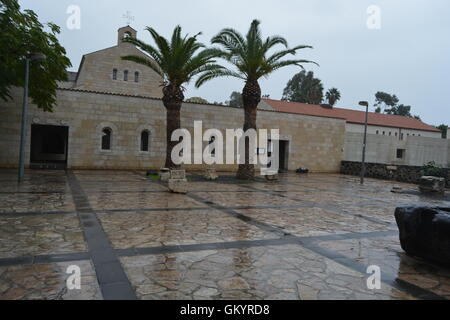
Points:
point(284, 155)
point(49, 146)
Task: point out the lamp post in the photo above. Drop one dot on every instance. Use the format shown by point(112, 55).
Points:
point(363, 164)
point(29, 58)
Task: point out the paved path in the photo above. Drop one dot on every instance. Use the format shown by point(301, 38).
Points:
point(304, 237)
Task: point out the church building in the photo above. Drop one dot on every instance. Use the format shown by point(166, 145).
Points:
point(109, 115)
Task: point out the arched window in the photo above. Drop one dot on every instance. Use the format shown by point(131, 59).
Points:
point(106, 139)
point(145, 140)
point(125, 75)
point(136, 76)
point(114, 74)
point(378, 132)
point(127, 35)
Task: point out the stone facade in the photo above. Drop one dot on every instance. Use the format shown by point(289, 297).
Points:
point(96, 72)
point(314, 142)
point(97, 98)
point(415, 150)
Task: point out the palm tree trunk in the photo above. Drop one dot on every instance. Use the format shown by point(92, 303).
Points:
point(172, 100)
point(251, 95)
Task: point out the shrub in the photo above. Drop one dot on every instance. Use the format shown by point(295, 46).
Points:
point(432, 169)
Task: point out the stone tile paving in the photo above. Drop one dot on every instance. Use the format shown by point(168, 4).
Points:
point(47, 282)
point(387, 253)
point(112, 200)
point(143, 229)
point(304, 237)
point(287, 272)
point(40, 234)
point(304, 221)
point(244, 198)
point(42, 201)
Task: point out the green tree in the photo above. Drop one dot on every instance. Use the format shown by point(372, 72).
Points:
point(443, 128)
point(304, 88)
point(197, 100)
point(389, 104)
point(177, 61)
point(400, 110)
point(384, 100)
point(235, 100)
point(333, 95)
point(249, 56)
point(21, 33)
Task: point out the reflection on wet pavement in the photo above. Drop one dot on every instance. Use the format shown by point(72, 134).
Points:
point(304, 237)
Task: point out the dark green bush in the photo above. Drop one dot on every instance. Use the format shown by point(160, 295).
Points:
point(432, 169)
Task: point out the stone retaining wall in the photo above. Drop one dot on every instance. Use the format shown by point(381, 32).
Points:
point(401, 173)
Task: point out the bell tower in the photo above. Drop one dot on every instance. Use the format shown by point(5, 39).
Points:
point(125, 32)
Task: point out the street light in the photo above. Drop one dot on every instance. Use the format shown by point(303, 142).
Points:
point(30, 57)
point(363, 164)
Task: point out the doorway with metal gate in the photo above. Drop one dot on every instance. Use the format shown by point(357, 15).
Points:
point(49, 145)
point(284, 154)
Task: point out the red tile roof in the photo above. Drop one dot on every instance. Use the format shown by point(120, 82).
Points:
point(351, 116)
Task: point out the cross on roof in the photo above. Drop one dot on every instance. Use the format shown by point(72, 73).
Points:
point(128, 17)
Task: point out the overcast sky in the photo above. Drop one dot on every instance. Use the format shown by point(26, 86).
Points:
point(408, 56)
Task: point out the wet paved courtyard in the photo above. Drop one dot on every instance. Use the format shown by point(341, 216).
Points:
point(305, 237)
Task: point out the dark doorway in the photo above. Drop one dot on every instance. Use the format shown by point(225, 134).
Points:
point(49, 145)
point(284, 154)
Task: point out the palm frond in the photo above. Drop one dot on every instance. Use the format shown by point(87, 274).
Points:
point(280, 54)
point(150, 50)
point(273, 41)
point(231, 38)
point(209, 75)
point(285, 63)
point(249, 54)
point(146, 62)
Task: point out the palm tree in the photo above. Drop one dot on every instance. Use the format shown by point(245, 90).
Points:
point(249, 56)
point(333, 95)
point(177, 62)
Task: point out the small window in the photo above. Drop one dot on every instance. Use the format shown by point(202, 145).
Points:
point(127, 35)
point(400, 153)
point(106, 139)
point(384, 133)
point(114, 76)
point(136, 76)
point(396, 134)
point(145, 137)
point(378, 132)
point(125, 75)
point(390, 133)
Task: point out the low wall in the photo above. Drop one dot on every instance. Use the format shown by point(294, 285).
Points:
point(383, 149)
point(401, 173)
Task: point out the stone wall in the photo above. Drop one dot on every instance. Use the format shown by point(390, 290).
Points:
point(316, 143)
point(401, 173)
point(383, 149)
